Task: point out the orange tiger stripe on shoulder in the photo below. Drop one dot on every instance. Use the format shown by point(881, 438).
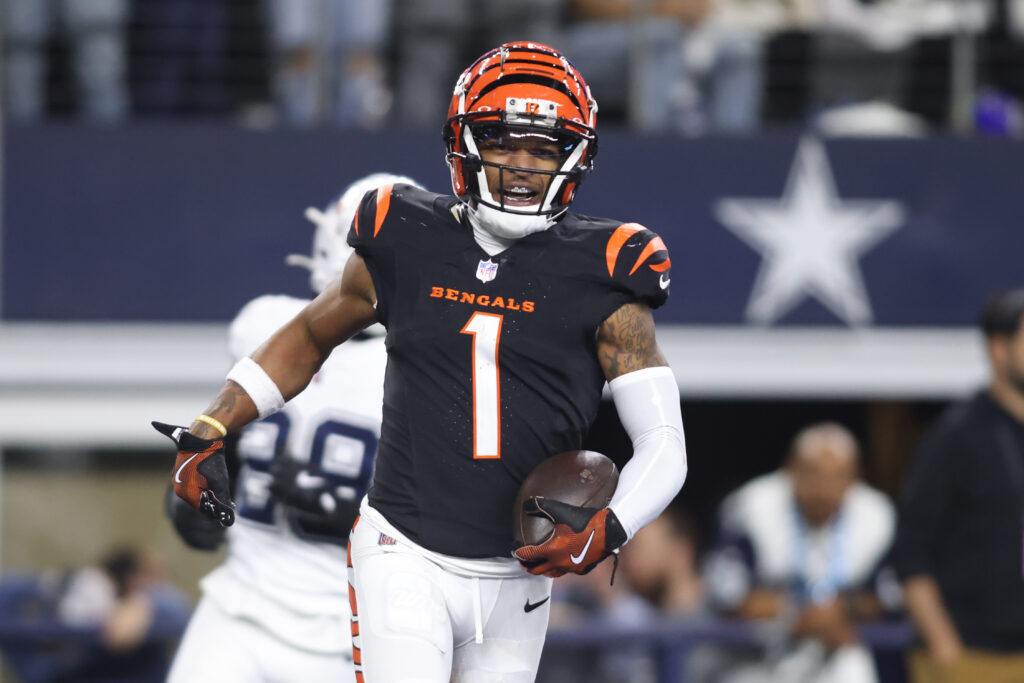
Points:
point(617, 240)
point(652, 247)
point(383, 204)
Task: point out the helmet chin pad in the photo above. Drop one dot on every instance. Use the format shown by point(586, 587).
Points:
point(511, 226)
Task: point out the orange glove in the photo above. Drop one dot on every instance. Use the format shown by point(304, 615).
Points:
point(200, 473)
point(582, 537)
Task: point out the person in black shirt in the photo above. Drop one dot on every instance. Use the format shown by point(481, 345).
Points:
point(960, 539)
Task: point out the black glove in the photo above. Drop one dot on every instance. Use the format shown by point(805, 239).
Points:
point(314, 508)
point(200, 475)
point(582, 537)
point(194, 528)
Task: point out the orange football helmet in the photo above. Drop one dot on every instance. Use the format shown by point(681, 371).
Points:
point(519, 90)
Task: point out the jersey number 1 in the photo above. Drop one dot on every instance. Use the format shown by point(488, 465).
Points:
point(486, 331)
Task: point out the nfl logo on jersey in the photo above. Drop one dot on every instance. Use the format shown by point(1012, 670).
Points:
point(486, 271)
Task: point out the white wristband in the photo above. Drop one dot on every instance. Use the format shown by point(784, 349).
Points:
point(248, 374)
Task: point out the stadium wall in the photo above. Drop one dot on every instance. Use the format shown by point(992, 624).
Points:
point(126, 250)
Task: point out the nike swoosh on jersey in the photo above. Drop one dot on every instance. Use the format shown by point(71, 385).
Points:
point(177, 475)
point(663, 283)
point(530, 606)
point(576, 559)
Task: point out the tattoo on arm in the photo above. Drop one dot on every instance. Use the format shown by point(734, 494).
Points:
point(232, 407)
point(227, 399)
point(626, 342)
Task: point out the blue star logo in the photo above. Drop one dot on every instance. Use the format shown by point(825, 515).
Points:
point(810, 241)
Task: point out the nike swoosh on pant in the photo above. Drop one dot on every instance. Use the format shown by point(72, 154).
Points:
point(177, 475)
point(529, 607)
point(576, 559)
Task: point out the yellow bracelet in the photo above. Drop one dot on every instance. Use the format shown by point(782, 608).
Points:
point(213, 422)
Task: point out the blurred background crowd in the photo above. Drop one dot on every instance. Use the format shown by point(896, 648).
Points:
point(682, 66)
point(781, 559)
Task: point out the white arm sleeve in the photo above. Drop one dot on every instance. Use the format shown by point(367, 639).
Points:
point(648, 404)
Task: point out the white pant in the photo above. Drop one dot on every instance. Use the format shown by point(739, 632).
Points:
point(416, 622)
point(222, 648)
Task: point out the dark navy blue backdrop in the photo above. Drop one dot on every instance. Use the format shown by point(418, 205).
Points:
point(171, 223)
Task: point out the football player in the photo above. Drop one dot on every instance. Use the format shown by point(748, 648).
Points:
point(505, 315)
point(277, 608)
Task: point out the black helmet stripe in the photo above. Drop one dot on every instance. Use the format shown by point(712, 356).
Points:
point(561, 68)
point(547, 52)
point(526, 78)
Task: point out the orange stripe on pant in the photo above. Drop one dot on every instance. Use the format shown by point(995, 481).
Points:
point(349, 545)
point(357, 654)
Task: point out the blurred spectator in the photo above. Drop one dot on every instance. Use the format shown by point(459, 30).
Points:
point(115, 621)
point(803, 547)
point(329, 60)
point(660, 563)
point(881, 63)
point(959, 545)
point(434, 39)
point(998, 114)
point(658, 577)
point(670, 65)
point(179, 57)
point(593, 600)
point(892, 51)
point(95, 30)
point(1001, 71)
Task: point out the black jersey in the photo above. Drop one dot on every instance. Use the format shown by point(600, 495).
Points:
point(492, 363)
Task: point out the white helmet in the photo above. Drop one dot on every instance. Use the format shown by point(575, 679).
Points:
point(330, 248)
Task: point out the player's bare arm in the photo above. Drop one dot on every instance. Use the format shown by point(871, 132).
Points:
point(259, 385)
point(626, 342)
point(295, 352)
point(646, 398)
point(232, 407)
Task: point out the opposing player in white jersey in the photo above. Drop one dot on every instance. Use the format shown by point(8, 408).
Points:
point(277, 609)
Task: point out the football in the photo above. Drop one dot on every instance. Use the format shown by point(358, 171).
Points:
point(585, 478)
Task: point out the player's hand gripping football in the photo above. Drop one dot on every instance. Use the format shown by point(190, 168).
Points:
point(200, 474)
point(582, 537)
